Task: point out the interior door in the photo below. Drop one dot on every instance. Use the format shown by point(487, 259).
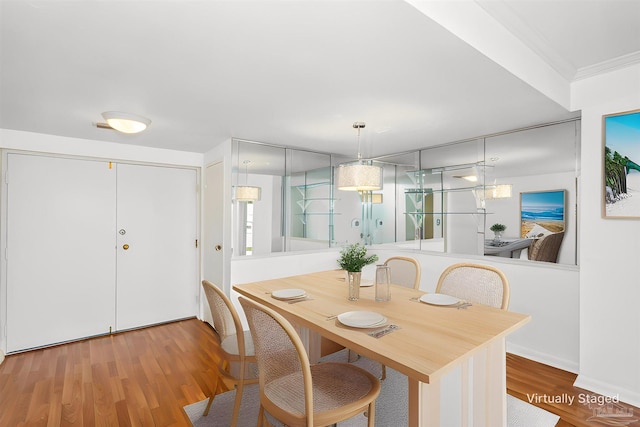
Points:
point(60, 249)
point(157, 263)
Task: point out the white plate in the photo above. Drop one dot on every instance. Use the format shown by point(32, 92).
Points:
point(362, 319)
point(365, 283)
point(288, 293)
point(439, 299)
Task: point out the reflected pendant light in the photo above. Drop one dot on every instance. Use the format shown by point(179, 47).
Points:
point(247, 193)
point(359, 176)
point(126, 122)
point(500, 191)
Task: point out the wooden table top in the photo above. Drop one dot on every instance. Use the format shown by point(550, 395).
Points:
point(431, 339)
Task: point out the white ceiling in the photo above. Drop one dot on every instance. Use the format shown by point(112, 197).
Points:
point(290, 72)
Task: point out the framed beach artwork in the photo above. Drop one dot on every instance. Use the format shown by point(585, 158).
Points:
point(621, 181)
point(542, 212)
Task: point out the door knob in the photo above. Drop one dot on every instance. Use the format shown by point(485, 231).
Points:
point(218, 247)
point(125, 246)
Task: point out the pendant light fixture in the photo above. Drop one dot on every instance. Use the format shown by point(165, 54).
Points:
point(498, 191)
point(361, 175)
point(247, 193)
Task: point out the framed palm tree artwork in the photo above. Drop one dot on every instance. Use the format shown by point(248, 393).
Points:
point(621, 180)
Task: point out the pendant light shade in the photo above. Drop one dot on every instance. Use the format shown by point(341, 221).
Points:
point(126, 122)
point(359, 176)
point(247, 193)
point(500, 191)
point(376, 199)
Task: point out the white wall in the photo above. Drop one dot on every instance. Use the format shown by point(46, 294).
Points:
point(30, 141)
point(609, 251)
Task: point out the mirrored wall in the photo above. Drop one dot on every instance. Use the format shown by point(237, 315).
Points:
point(445, 198)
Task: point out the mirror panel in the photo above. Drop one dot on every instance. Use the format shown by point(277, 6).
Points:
point(258, 224)
point(428, 200)
point(309, 192)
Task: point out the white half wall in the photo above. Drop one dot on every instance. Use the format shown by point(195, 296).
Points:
point(548, 292)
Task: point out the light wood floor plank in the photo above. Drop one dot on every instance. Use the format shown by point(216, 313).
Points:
point(144, 378)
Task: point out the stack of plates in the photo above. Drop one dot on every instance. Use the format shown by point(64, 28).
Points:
point(439, 299)
point(362, 319)
point(365, 283)
point(287, 294)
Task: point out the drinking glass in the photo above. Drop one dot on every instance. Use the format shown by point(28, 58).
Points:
point(383, 283)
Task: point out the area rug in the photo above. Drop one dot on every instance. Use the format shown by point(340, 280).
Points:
point(391, 405)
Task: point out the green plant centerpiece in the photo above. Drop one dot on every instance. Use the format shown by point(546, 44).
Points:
point(352, 259)
point(497, 229)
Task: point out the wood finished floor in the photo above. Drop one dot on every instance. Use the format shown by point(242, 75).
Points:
point(145, 377)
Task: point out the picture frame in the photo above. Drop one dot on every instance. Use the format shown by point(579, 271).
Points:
point(543, 210)
point(621, 165)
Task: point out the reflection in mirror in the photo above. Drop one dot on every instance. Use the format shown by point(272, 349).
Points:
point(451, 175)
point(311, 202)
point(257, 224)
point(535, 160)
point(442, 199)
point(394, 222)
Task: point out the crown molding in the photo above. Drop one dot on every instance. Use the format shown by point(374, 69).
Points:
point(504, 14)
point(608, 66)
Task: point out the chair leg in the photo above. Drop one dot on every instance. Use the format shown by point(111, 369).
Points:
point(236, 405)
point(206, 410)
point(261, 416)
point(384, 372)
point(372, 414)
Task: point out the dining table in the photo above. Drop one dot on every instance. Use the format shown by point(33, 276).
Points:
point(453, 355)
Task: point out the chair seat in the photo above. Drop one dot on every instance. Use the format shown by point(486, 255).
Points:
point(335, 385)
point(230, 344)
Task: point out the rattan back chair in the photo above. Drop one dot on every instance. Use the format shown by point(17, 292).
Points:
point(479, 283)
point(547, 248)
point(405, 271)
point(238, 364)
point(295, 392)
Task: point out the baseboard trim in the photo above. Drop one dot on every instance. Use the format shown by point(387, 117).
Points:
point(1, 357)
point(547, 359)
point(605, 389)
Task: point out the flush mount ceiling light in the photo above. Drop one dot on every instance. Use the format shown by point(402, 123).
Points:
point(359, 176)
point(124, 122)
point(247, 193)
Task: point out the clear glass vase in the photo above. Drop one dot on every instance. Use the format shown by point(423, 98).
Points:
point(353, 282)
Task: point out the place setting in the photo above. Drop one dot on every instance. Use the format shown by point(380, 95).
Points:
point(366, 320)
point(442, 300)
point(291, 296)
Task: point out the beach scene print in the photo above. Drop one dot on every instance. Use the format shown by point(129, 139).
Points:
point(622, 165)
point(543, 208)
